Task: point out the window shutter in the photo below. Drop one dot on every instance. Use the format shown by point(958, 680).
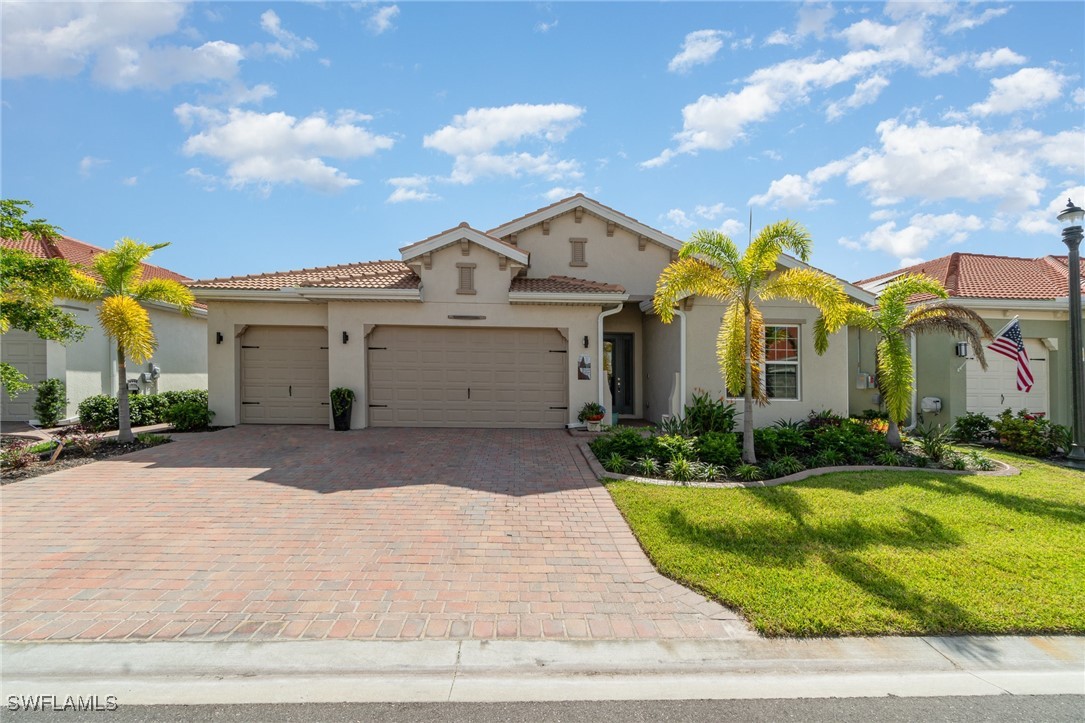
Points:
point(467, 278)
point(579, 255)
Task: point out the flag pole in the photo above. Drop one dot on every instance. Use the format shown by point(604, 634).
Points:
point(1008, 325)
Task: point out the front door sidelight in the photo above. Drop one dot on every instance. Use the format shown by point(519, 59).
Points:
point(619, 357)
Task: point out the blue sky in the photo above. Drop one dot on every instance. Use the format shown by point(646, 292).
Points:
point(268, 136)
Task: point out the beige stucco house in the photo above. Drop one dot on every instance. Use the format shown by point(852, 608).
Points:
point(89, 366)
point(511, 327)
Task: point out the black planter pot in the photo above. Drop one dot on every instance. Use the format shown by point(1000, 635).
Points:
point(342, 420)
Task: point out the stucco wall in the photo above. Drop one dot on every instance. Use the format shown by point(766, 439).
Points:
point(861, 358)
point(441, 281)
point(615, 259)
point(661, 364)
point(823, 380)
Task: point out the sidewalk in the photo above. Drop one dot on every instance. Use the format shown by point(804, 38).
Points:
point(490, 671)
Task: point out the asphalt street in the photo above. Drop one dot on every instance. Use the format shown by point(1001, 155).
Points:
point(972, 709)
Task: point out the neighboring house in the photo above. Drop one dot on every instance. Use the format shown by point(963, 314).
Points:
point(89, 366)
point(512, 327)
point(998, 288)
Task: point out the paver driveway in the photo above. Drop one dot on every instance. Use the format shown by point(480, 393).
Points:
point(300, 532)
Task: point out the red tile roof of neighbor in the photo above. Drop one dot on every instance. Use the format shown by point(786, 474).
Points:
point(82, 254)
point(367, 275)
point(981, 276)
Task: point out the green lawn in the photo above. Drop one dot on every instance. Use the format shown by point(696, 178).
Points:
point(874, 553)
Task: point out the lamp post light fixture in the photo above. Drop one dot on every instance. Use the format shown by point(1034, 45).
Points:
point(1071, 219)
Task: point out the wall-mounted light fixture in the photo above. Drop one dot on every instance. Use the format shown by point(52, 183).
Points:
point(218, 337)
point(962, 349)
point(585, 342)
point(346, 337)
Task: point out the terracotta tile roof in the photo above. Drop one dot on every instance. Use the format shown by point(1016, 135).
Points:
point(463, 224)
point(80, 253)
point(368, 275)
point(563, 285)
point(981, 276)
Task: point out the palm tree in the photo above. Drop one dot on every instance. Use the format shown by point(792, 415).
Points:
point(711, 265)
point(121, 292)
point(895, 321)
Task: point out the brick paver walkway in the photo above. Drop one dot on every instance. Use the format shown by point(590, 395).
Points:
point(300, 533)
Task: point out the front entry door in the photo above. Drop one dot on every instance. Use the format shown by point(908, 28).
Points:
point(619, 351)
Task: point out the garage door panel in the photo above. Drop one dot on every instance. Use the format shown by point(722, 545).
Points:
point(423, 374)
point(27, 353)
point(995, 389)
point(284, 375)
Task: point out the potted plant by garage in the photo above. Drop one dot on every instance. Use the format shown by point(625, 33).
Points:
point(592, 413)
point(342, 404)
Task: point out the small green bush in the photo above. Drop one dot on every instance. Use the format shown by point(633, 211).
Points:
point(889, 458)
point(933, 442)
point(709, 414)
point(1025, 433)
point(748, 472)
point(647, 467)
point(189, 416)
point(615, 463)
point(828, 458)
point(718, 448)
point(51, 403)
point(852, 442)
point(150, 438)
point(976, 460)
point(708, 472)
point(681, 469)
point(972, 427)
point(773, 442)
point(625, 441)
point(675, 425)
point(16, 454)
point(672, 446)
point(98, 412)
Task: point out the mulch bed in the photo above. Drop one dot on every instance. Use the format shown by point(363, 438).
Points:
point(73, 458)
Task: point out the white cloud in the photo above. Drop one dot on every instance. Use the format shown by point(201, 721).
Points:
point(1044, 220)
point(1026, 89)
point(678, 217)
point(238, 94)
point(559, 192)
point(130, 181)
point(382, 19)
point(411, 188)
point(699, 48)
point(997, 58)
point(849, 244)
point(88, 164)
point(779, 37)
point(711, 212)
point(732, 227)
point(790, 191)
point(910, 261)
point(544, 27)
point(814, 19)
point(717, 122)
point(963, 21)
point(287, 43)
point(265, 149)
point(882, 214)
point(865, 93)
point(1079, 96)
point(920, 232)
point(63, 39)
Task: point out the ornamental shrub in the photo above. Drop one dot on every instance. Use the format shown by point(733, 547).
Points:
point(1025, 433)
point(99, 412)
point(719, 448)
point(708, 414)
point(624, 441)
point(51, 403)
point(972, 427)
point(188, 416)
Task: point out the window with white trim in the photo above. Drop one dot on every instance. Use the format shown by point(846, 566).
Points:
point(467, 278)
point(782, 361)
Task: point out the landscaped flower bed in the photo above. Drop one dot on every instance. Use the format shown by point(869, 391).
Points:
point(703, 447)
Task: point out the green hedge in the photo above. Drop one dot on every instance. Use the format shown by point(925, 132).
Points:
point(100, 411)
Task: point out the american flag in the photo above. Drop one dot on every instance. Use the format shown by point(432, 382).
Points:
point(1010, 344)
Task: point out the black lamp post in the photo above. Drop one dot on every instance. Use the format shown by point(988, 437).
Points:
point(1071, 218)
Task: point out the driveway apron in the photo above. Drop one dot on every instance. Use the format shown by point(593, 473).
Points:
point(276, 532)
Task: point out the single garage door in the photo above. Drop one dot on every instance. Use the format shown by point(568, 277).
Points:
point(284, 375)
point(994, 390)
point(457, 377)
point(26, 352)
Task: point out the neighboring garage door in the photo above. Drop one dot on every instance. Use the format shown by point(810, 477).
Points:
point(457, 377)
point(26, 352)
point(284, 375)
point(994, 390)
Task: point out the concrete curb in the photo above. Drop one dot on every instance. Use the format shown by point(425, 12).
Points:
point(472, 670)
point(1004, 470)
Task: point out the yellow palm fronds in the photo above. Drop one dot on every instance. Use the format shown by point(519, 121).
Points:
point(123, 319)
point(166, 291)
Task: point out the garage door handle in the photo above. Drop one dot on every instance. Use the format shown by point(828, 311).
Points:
point(1003, 396)
point(250, 402)
point(381, 406)
point(290, 390)
point(468, 392)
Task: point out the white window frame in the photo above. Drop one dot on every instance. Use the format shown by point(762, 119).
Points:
point(765, 368)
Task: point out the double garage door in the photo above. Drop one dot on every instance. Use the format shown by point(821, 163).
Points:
point(26, 352)
point(457, 377)
point(418, 377)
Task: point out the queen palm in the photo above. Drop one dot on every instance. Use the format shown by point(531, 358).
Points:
point(711, 265)
point(121, 292)
point(895, 321)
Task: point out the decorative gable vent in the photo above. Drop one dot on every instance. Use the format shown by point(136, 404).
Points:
point(579, 254)
point(467, 278)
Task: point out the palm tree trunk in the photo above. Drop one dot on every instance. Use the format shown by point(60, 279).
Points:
point(748, 454)
point(124, 425)
point(892, 435)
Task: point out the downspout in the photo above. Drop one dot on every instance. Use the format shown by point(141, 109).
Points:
point(599, 340)
point(681, 360)
point(915, 391)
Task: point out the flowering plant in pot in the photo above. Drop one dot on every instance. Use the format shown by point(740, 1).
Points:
point(342, 405)
point(592, 413)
